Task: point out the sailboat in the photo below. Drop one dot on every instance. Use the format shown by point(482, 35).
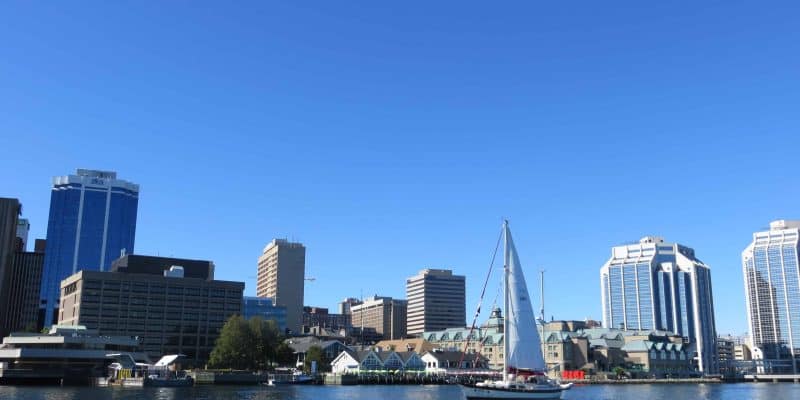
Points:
point(523, 363)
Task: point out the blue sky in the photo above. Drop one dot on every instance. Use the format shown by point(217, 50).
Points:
point(389, 138)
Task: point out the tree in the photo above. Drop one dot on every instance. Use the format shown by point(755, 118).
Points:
point(232, 349)
point(284, 355)
point(246, 344)
point(315, 353)
point(619, 372)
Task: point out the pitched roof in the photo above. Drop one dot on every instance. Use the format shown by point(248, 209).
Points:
point(456, 356)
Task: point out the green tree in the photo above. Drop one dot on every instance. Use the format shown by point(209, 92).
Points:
point(232, 349)
point(619, 372)
point(315, 353)
point(284, 355)
point(246, 344)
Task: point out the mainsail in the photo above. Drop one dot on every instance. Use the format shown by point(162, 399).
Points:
point(524, 351)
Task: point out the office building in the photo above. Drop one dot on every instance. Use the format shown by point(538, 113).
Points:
point(346, 304)
point(281, 277)
point(139, 264)
point(436, 300)
point(23, 228)
point(168, 312)
point(92, 222)
point(264, 308)
point(772, 292)
point(386, 315)
point(10, 209)
point(654, 285)
point(319, 317)
point(24, 282)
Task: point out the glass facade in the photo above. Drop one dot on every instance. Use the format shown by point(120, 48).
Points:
point(656, 286)
point(772, 286)
point(264, 308)
point(92, 220)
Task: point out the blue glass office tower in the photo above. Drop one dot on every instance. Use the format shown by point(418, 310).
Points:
point(92, 222)
point(264, 307)
point(772, 289)
point(653, 285)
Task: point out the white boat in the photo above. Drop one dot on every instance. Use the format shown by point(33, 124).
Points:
point(524, 367)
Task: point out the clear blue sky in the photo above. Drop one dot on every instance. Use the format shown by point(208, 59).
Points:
point(393, 138)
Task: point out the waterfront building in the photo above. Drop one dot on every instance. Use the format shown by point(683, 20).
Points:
point(386, 315)
point(371, 361)
point(300, 346)
point(654, 285)
point(67, 354)
point(444, 362)
point(486, 339)
point(772, 291)
point(170, 313)
point(281, 277)
point(417, 345)
point(319, 317)
point(24, 283)
point(92, 222)
point(23, 228)
point(436, 300)
point(10, 209)
point(741, 352)
point(264, 307)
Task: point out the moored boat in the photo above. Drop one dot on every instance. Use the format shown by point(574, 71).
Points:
point(523, 367)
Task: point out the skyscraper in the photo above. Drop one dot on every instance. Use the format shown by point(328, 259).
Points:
point(9, 218)
point(656, 285)
point(436, 300)
point(772, 290)
point(281, 276)
point(92, 221)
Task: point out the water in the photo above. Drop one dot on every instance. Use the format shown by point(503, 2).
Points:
point(755, 391)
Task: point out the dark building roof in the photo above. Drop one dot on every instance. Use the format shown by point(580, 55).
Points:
point(151, 265)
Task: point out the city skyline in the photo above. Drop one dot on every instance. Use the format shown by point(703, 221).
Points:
point(387, 141)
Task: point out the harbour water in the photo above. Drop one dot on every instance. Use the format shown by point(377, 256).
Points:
point(739, 391)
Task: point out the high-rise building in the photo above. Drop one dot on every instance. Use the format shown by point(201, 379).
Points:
point(319, 317)
point(346, 304)
point(92, 222)
point(663, 286)
point(772, 290)
point(436, 301)
point(281, 277)
point(386, 315)
point(10, 210)
point(25, 281)
point(169, 312)
point(23, 228)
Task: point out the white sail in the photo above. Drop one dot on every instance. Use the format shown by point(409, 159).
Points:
point(524, 351)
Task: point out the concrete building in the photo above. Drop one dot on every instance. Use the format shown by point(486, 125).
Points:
point(23, 228)
point(319, 317)
point(654, 285)
point(24, 283)
point(772, 291)
point(436, 300)
point(346, 304)
point(386, 315)
point(281, 277)
point(170, 313)
point(92, 222)
point(10, 209)
point(264, 307)
point(139, 264)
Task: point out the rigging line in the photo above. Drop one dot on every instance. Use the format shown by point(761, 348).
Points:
point(483, 293)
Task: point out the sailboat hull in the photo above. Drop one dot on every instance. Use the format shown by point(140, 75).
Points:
point(481, 393)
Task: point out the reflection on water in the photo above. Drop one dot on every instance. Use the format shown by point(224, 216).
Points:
point(741, 391)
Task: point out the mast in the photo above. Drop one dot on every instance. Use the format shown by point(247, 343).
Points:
point(505, 300)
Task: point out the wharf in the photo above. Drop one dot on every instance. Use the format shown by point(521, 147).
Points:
point(641, 381)
point(773, 378)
